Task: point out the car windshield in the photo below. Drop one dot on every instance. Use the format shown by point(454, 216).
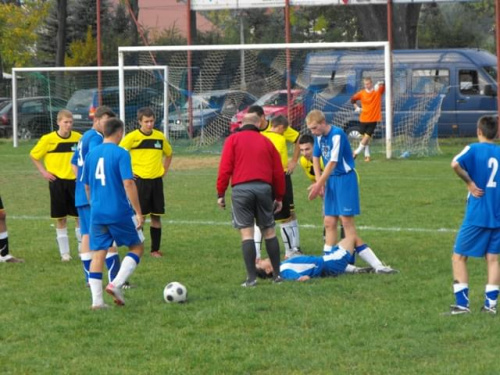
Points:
point(4, 103)
point(5, 107)
point(199, 102)
point(273, 99)
point(492, 71)
point(81, 98)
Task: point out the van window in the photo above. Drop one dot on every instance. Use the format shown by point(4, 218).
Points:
point(470, 82)
point(430, 81)
point(492, 71)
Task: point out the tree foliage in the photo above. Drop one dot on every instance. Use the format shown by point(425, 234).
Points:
point(17, 32)
point(82, 52)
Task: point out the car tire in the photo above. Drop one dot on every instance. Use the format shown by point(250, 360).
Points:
point(354, 135)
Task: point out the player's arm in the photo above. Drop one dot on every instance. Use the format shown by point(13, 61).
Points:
point(133, 197)
point(354, 101)
point(471, 185)
point(292, 163)
point(167, 160)
point(318, 187)
point(225, 172)
point(41, 168)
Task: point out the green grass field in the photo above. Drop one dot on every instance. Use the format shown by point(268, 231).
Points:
point(363, 324)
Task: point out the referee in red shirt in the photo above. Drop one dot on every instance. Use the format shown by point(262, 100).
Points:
point(252, 164)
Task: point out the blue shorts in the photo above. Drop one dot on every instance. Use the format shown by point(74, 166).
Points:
point(473, 241)
point(342, 195)
point(84, 215)
point(123, 233)
point(335, 262)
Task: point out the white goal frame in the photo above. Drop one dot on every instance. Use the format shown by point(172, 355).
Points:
point(280, 46)
point(163, 68)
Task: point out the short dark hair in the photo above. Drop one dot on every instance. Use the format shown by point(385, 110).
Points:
point(145, 112)
point(279, 120)
point(306, 138)
point(261, 274)
point(257, 109)
point(112, 126)
point(104, 110)
point(488, 126)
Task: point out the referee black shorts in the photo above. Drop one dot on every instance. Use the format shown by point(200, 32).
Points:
point(368, 128)
point(62, 198)
point(151, 197)
point(288, 204)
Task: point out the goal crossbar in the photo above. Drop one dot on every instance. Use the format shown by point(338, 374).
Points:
point(281, 46)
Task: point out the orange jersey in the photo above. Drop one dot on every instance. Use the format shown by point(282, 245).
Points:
point(371, 104)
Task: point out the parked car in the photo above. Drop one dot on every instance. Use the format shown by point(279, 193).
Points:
point(209, 107)
point(275, 104)
point(83, 104)
point(35, 116)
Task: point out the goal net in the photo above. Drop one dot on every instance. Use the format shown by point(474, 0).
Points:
point(38, 94)
point(210, 88)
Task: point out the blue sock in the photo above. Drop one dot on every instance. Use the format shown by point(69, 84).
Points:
point(461, 291)
point(113, 265)
point(491, 295)
point(86, 260)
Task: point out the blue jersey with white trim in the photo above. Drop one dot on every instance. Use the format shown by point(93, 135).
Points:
point(481, 161)
point(90, 139)
point(105, 169)
point(331, 264)
point(335, 147)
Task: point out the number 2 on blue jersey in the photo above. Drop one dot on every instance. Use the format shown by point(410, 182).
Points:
point(493, 165)
point(99, 172)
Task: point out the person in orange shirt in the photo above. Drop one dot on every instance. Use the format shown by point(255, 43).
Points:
point(370, 112)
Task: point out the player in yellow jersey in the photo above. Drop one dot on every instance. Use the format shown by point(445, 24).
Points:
point(286, 217)
point(52, 157)
point(151, 155)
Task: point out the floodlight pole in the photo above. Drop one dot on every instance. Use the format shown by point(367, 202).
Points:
point(99, 61)
point(497, 30)
point(287, 53)
point(388, 86)
point(189, 75)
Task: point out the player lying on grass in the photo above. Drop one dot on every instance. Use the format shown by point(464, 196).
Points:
point(305, 267)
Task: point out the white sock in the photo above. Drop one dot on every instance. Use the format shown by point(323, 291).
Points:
point(327, 249)
point(63, 240)
point(78, 236)
point(257, 237)
point(127, 268)
point(286, 236)
point(367, 151)
point(350, 269)
point(294, 225)
point(96, 290)
point(360, 148)
point(369, 257)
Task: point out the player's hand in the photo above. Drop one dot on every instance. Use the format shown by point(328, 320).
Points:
point(222, 203)
point(291, 166)
point(139, 219)
point(315, 190)
point(304, 278)
point(48, 176)
point(278, 205)
point(474, 190)
point(357, 110)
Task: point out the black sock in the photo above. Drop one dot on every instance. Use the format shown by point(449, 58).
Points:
point(155, 238)
point(4, 246)
point(273, 250)
point(249, 255)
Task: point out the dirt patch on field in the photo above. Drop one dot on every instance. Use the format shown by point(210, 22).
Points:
point(181, 163)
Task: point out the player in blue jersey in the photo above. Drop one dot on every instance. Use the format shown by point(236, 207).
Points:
point(479, 236)
point(115, 213)
point(338, 183)
point(305, 267)
point(91, 138)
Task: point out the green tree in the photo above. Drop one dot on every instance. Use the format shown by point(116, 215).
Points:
point(82, 53)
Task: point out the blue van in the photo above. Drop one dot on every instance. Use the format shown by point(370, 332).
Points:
point(83, 104)
point(465, 78)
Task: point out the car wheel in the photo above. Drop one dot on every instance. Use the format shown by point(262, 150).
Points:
point(24, 133)
point(354, 135)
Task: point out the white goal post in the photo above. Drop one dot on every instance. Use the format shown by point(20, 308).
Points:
point(16, 72)
point(283, 46)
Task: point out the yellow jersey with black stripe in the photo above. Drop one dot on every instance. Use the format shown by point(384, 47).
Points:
point(147, 152)
point(56, 153)
point(307, 166)
point(291, 135)
point(279, 143)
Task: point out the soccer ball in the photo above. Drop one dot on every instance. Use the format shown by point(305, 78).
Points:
point(175, 292)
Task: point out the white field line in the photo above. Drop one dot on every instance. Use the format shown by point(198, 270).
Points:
point(305, 226)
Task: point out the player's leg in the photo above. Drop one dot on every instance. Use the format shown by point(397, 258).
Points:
point(5, 257)
point(492, 287)
point(95, 278)
point(59, 207)
point(112, 262)
point(157, 208)
point(85, 254)
point(289, 226)
point(126, 233)
point(273, 251)
point(330, 227)
point(257, 237)
point(361, 145)
point(63, 239)
point(367, 254)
